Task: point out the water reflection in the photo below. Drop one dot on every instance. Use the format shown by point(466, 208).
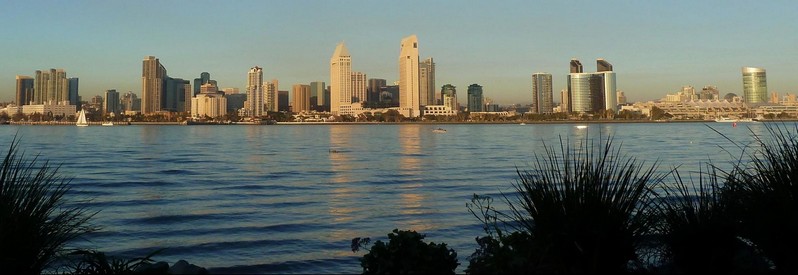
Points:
point(342, 195)
point(412, 202)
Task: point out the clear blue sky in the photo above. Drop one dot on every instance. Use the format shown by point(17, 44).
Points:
point(655, 46)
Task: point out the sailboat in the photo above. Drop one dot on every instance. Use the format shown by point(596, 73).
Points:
point(82, 119)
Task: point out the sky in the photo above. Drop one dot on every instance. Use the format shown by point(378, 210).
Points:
point(656, 47)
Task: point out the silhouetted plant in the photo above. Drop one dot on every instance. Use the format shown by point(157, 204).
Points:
point(583, 209)
point(762, 194)
point(698, 233)
point(35, 223)
point(94, 262)
point(406, 253)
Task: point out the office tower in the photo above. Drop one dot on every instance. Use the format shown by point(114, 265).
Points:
point(542, 94)
point(426, 78)
point(96, 103)
point(270, 98)
point(50, 87)
point(112, 102)
point(74, 96)
point(603, 66)
point(576, 66)
point(230, 91)
point(409, 104)
point(449, 97)
point(209, 102)
point(301, 102)
point(152, 85)
point(359, 85)
point(564, 106)
point(317, 89)
point(204, 78)
point(374, 89)
point(131, 102)
point(591, 92)
point(282, 101)
point(755, 86)
point(255, 92)
point(175, 93)
point(340, 81)
point(235, 102)
point(475, 98)
point(24, 92)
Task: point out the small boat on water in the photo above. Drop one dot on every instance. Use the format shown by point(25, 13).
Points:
point(581, 127)
point(735, 120)
point(108, 123)
point(522, 123)
point(82, 122)
point(439, 130)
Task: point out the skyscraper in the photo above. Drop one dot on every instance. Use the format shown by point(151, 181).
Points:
point(449, 97)
point(542, 94)
point(152, 85)
point(591, 92)
point(254, 103)
point(131, 102)
point(375, 84)
point(282, 101)
point(317, 89)
point(301, 102)
point(341, 81)
point(755, 86)
point(24, 92)
point(112, 102)
point(51, 87)
point(475, 98)
point(204, 78)
point(74, 96)
point(409, 104)
point(358, 87)
point(426, 78)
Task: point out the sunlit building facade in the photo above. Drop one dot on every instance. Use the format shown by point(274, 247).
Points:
point(409, 97)
point(542, 94)
point(755, 86)
point(341, 81)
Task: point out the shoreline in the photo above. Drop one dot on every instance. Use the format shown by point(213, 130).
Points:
point(54, 123)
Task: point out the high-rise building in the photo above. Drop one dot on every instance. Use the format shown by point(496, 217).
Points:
point(255, 92)
point(270, 96)
point(426, 78)
point(24, 92)
point(576, 66)
point(112, 102)
point(449, 97)
point(176, 93)
point(359, 86)
point(152, 85)
point(131, 102)
point(282, 101)
point(204, 78)
point(755, 86)
point(209, 102)
point(51, 87)
point(301, 102)
point(591, 92)
point(475, 98)
point(341, 81)
point(374, 89)
point(542, 94)
point(74, 96)
point(621, 97)
point(317, 95)
point(409, 104)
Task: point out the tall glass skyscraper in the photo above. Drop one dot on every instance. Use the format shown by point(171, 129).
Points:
point(341, 81)
point(592, 92)
point(755, 86)
point(409, 97)
point(475, 98)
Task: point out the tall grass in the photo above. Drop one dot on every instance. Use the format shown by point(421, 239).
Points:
point(584, 209)
point(35, 223)
point(763, 195)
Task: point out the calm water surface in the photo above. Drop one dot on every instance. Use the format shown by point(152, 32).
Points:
point(289, 199)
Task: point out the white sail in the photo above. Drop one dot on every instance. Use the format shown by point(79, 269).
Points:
point(82, 119)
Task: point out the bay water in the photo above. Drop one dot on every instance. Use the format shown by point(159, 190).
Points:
point(289, 198)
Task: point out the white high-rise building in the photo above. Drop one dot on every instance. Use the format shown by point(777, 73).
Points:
point(270, 90)
point(409, 96)
point(359, 85)
point(254, 103)
point(341, 81)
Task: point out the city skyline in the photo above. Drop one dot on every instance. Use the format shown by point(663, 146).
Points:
point(656, 47)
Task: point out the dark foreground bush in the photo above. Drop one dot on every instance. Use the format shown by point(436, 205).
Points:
point(35, 223)
point(580, 210)
point(763, 196)
point(94, 262)
point(406, 253)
